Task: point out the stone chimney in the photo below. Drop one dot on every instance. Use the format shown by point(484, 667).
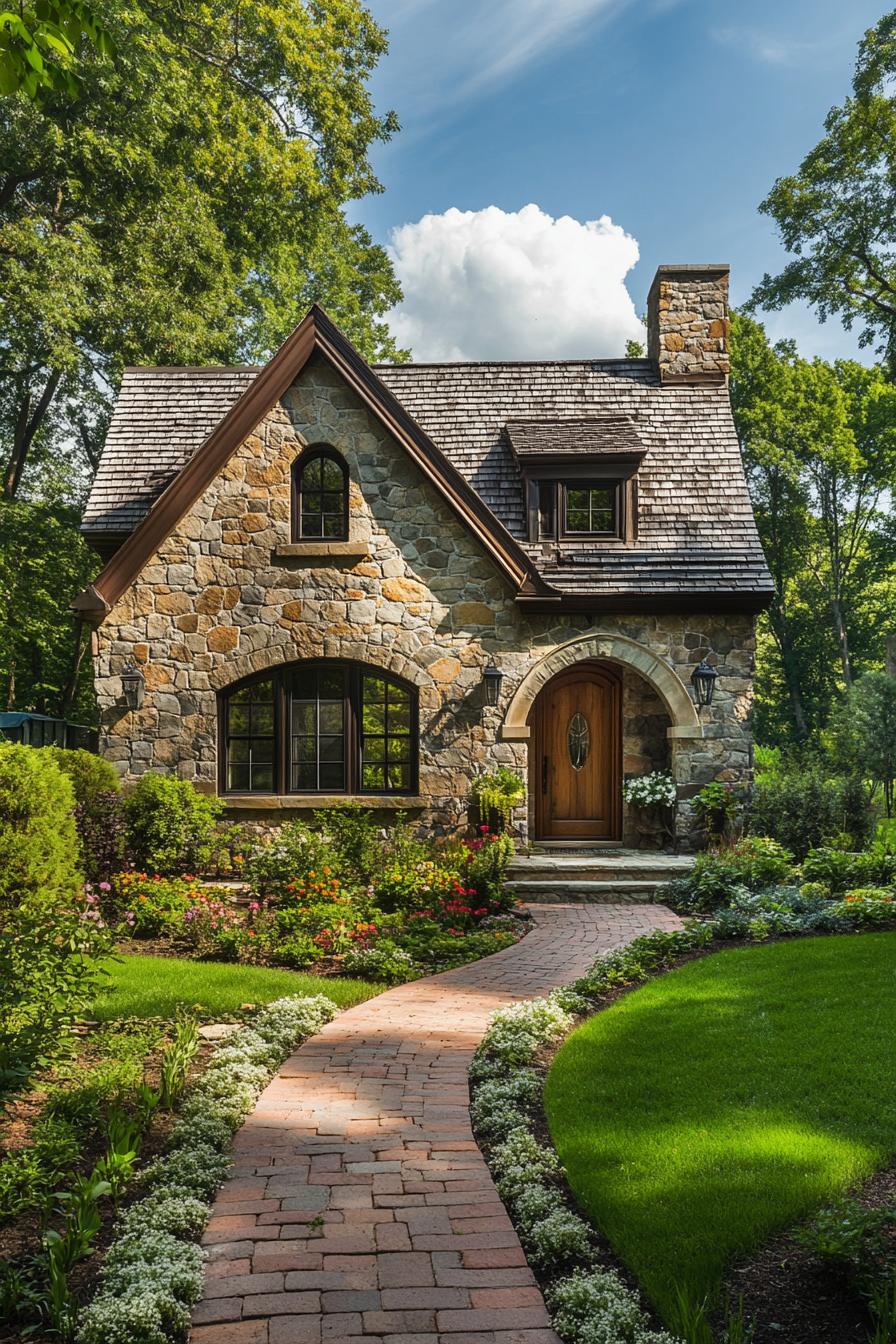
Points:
point(687, 324)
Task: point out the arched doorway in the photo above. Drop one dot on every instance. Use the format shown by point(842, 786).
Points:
point(575, 757)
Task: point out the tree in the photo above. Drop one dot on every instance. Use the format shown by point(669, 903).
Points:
point(837, 213)
point(39, 47)
point(43, 562)
point(820, 457)
point(186, 206)
point(864, 733)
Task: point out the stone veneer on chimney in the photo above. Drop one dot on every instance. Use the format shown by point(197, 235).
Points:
point(687, 323)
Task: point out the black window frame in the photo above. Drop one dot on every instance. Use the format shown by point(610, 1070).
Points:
point(315, 453)
point(564, 487)
point(353, 735)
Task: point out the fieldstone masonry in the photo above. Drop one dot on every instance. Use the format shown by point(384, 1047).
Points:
point(228, 595)
point(688, 324)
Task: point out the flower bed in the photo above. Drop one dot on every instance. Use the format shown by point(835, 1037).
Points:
point(152, 1274)
point(344, 896)
point(586, 1291)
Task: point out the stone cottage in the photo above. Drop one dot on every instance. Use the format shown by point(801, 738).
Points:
point(326, 580)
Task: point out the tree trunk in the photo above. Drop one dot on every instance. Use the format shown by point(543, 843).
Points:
point(71, 686)
point(11, 686)
point(29, 420)
point(791, 671)
point(842, 640)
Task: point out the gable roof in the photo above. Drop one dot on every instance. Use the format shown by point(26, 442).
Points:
point(696, 547)
point(316, 334)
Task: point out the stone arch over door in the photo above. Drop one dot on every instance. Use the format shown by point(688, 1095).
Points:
point(616, 649)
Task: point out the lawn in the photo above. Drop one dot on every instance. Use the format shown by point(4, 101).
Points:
point(157, 986)
point(726, 1100)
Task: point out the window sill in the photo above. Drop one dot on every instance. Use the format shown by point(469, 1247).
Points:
point(308, 802)
point(354, 550)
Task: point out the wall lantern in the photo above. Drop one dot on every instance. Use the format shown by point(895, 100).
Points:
point(491, 680)
point(703, 679)
point(132, 683)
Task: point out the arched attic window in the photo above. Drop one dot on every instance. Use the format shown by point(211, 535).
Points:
point(319, 495)
point(319, 727)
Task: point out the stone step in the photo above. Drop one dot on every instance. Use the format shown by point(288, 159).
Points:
point(619, 892)
point(598, 866)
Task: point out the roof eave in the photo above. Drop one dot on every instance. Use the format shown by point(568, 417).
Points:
point(641, 602)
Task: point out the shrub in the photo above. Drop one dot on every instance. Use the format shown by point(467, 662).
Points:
point(355, 841)
point(804, 810)
point(718, 876)
point(385, 961)
point(38, 841)
point(840, 870)
point(171, 825)
point(716, 807)
point(50, 935)
point(99, 811)
point(854, 1241)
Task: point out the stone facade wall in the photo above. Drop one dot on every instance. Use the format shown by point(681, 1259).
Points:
point(687, 323)
point(645, 748)
point(227, 596)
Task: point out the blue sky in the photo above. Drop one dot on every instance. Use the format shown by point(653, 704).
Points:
point(673, 117)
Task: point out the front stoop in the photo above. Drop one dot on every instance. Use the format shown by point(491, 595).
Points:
point(617, 876)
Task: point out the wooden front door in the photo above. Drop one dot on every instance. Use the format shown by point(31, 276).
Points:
point(575, 771)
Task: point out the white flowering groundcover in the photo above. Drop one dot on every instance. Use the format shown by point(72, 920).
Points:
point(589, 1303)
point(152, 1274)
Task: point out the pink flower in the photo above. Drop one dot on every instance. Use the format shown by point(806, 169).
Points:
point(105, 886)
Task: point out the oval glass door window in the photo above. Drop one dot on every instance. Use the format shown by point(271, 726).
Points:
point(578, 740)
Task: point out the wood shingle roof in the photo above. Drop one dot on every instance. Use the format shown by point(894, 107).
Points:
point(696, 533)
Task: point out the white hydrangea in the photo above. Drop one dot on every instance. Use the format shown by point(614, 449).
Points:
point(596, 1307)
point(653, 790)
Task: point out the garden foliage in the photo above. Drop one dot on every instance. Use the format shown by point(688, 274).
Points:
point(152, 1274)
point(371, 901)
point(804, 809)
point(171, 825)
point(51, 933)
point(99, 811)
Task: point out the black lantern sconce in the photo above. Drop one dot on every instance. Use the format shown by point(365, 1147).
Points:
point(703, 679)
point(491, 680)
point(133, 683)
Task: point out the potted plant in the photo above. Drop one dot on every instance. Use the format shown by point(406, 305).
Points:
point(655, 793)
point(495, 796)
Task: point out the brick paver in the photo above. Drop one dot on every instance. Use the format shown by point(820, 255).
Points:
point(359, 1207)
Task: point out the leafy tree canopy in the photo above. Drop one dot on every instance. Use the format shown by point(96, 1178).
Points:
point(819, 447)
point(837, 213)
point(39, 47)
point(184, 207)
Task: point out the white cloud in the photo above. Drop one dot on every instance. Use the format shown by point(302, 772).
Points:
point(488, 284)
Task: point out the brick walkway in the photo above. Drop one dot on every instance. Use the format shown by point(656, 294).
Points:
point(360, 1209)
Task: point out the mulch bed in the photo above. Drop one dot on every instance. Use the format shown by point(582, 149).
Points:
point(21, 1237)
point(789, 1297)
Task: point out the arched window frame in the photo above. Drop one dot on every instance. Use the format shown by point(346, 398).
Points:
point(302, 496)
point(398, 749)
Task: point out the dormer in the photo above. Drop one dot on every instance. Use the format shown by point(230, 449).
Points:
point(580, 477)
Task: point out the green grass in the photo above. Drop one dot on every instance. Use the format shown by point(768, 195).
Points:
point(726, 1100)
point(157, 986)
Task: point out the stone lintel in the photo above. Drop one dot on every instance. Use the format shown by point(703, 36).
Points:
point(514, 732)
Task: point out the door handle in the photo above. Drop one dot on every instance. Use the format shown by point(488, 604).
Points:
point(544, 774)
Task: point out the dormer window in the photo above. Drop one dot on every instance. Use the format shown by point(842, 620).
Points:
point(580, 477)
point(576, 510)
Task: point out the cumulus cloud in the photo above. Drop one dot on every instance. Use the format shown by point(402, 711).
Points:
point(492, 284)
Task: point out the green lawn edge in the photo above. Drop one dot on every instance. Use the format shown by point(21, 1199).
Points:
point(157, 987)
point(727, 1099)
